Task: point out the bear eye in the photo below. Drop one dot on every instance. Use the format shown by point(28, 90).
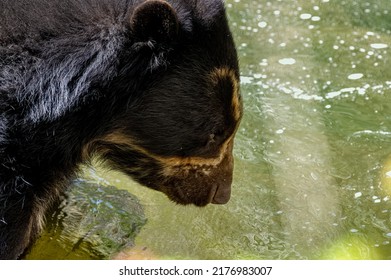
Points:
point(211, 138)
point(216, 138)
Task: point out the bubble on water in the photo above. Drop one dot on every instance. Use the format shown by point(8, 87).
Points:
point(305, 16)
point(264, 62)
point(355, 76)
point(287, 61)
point(378, 87)
point(361, 91)
point(315, 18)
point(357, 194)
point(379, 46)
point(349, 90)
point(298, 93)
point(246, 80)
point(257, 76)
point(333, 94)
point(262, 24)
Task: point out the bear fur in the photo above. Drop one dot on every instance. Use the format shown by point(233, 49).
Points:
point(151, 87)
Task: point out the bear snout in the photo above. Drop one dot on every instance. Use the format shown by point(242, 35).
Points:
point(200, 184)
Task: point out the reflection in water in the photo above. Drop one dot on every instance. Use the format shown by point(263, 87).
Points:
point(300, 156)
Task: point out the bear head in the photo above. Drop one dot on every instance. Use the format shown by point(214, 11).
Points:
point(175, 132)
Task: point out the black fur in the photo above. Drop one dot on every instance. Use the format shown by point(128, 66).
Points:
point(76, 74)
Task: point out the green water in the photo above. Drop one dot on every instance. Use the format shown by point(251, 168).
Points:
point(311, 177)
point(312, 155)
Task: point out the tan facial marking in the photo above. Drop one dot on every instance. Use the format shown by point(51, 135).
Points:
point(226, 73)
point(119, 138)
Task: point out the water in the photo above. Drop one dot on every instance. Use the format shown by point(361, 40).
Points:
point(313, 153)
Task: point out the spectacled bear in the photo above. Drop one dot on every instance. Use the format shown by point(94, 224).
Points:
point(151, 87)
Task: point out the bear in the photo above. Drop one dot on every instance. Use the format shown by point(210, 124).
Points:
point(151, 87)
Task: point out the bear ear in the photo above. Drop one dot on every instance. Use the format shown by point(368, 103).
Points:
point(154, 20)
point(208, 10)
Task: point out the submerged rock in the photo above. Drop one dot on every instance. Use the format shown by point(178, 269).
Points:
point(91, 222)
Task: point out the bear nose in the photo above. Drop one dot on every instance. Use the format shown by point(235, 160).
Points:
point(222, 194)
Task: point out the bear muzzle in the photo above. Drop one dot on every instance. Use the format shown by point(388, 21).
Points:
point(206, 182)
